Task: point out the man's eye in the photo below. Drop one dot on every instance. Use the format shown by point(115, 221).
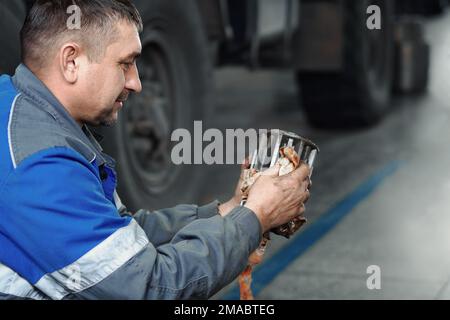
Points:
point(126, 65)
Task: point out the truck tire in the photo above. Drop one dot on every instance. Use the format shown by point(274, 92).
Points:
point(12, 15)
point(176, 73)
point(359, 94)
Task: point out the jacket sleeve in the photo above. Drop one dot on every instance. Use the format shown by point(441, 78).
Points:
point(160, 226)
point(69, 241)
point(201, 259)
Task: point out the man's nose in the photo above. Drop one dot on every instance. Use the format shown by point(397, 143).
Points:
point(133, 82)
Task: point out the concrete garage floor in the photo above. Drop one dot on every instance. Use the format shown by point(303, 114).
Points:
point(401, 223)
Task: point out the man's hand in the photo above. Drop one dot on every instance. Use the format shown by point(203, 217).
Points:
point(226, 207)
point(278, 199)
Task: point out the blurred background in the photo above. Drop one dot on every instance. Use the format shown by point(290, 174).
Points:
point(375, 100)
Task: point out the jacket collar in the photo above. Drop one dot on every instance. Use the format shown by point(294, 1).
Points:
point(27, 82)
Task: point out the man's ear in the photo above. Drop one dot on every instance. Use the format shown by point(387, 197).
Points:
point(69, 61)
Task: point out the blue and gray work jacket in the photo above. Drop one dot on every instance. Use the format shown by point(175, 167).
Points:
point(64, 233)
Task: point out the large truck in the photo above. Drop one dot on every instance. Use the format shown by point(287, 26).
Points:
point(343, 69)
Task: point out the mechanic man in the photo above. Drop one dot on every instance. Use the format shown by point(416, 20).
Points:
point(64, 234)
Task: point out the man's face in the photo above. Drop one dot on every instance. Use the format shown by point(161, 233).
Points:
point(106, 84)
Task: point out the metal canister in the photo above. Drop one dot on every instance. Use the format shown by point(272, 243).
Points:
point(268, 154)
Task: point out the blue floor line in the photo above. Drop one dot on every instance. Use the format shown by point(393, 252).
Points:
point(297, 246)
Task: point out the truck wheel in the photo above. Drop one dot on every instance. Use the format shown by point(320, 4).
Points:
point(359, 94)
point(175, 72)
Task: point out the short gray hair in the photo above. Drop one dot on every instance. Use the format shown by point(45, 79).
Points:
point(46, 26)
